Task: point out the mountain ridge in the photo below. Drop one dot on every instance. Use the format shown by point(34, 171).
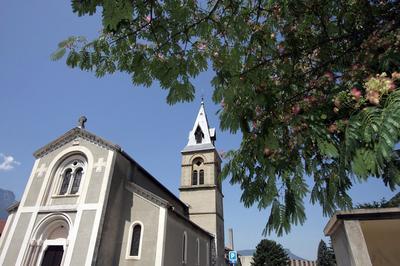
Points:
point(7, 198)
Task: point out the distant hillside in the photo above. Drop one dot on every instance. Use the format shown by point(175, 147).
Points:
point(6, 199)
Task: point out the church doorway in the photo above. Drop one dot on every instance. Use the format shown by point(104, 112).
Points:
point(53, 256)
point(49, 243)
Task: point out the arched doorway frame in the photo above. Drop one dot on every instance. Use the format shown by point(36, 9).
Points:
point(53, 230)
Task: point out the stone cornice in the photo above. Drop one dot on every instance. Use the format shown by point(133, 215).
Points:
point(200, 187)
point(72, 135)
point(147, 195)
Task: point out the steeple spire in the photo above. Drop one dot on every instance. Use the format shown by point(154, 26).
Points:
point(201, 136)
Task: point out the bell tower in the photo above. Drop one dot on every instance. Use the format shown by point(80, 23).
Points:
point(200, 187)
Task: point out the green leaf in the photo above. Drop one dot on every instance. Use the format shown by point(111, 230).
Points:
point(58, 54)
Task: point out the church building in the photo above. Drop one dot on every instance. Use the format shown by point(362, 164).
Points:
point(87, 202)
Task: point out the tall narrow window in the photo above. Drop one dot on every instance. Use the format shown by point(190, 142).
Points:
point(201, 177)
point(198, 251)
point(208, 255)
point(194, 178)
point(77, 180)
point(135, 243)
point(184, 248)
point(65, 182)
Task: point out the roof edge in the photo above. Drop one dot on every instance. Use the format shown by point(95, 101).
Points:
point(70, 136)
point(360, 214)
point(164, 188)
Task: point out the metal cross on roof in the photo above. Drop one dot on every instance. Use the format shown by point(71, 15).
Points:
point(81, 122)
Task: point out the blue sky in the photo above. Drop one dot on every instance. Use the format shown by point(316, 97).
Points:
point(40, 100)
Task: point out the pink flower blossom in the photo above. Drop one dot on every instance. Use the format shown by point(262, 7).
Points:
point(373, 97)
point(296, 109)
point(356, 93)
point(148, 18)
point(329, 75)
point(391, 86)
point(201, 46)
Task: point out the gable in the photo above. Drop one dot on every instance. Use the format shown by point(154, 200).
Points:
point(74, 135)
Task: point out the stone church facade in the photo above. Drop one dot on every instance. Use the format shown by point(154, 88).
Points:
point(87, 202)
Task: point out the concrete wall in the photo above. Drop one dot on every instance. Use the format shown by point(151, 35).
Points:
point(124, 208)
point(9, 222)
point(341, 247)
point(365, 237)
point(82, 242)
point(176, 226)
point(139, 176)
point(17, 238)
point(246, 260)
point(383, 241)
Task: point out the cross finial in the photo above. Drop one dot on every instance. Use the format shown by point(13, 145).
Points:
point(81, 122)
point(202, 100)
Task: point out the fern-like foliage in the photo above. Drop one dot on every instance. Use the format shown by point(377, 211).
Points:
point(370, 141)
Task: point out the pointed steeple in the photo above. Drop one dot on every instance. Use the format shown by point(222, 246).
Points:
point(201, 137)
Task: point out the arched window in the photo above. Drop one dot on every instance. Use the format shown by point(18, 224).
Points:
point(198, 135)
point(135, 241)
point(198, 171)
point(184, 248)
point(137, 229)
point(71, 172)
point(201, 177)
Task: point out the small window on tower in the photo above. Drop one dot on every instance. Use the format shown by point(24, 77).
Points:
point(198, 134)
point(201, 177)
point(194, 178)
point(198, 171)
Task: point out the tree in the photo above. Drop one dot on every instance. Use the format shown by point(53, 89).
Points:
point(270, 253)
point(393, 202)
point(326, 256)
point(310, 84)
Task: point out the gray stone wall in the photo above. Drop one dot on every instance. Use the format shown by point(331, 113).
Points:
point(17, 238)
point(83, 238)
point(124, 208)
point(341, 247)
point(176, 226)
point(10, 220)
point(118, 211)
